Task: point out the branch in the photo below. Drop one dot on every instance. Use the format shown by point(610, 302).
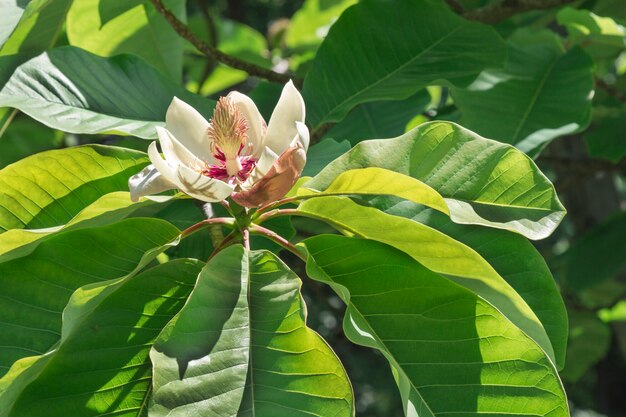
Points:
point(212, 52)
point(612, 90)
point(498, 12)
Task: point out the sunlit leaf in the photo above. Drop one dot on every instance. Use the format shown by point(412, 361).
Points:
point(240, 346)
point(483, 181)
point(75, 91)
point(450, 351)
point(50, 188)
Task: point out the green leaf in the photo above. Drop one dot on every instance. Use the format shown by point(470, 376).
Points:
point(541, 94)
point(361, 60)
point(380, 118)
point(102, 366)
point(310, 24)
point(25, 137)
point(589, 342)
point(39, 28)
point(378, 181)
point(597, 256)
point(108, 209)
point(50, 188)
point(450, 351)
point(607, 139)
point(512, 256)
point(435, 251)
point(75, 91)
point(109, 28)
point(11, 12)
point(602, 36)
point(323, 153)
point(240, 346)
point(483, 181)
point(36, 288)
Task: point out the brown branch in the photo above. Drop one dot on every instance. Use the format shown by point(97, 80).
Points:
point(612, 90)
point(498, 12)
point(455, 6)
point(212, 52)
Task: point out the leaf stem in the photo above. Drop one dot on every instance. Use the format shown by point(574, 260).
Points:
point(276, 238)
point(214, 53)
point(226, 221)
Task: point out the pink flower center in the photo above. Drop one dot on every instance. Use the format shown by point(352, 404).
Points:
point(231, 170)
point(228, 132)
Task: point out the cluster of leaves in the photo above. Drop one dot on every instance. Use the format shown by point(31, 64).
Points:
point(421, 241)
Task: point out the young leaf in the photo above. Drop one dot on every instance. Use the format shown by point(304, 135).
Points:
point(75, 91)
point(102, 366)
point(361, 60)
point(451, 352)
point(50, 188)
point(483, 181)
point(240, 346)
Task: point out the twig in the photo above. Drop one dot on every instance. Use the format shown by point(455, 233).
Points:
point(455, 6)
point(212, 52)
point(612, 90)
point(498, 12)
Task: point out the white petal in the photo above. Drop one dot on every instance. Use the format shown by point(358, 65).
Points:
point(263, 165)
point(174, 151)
point(303, 137)
point(167, 171)
point(148, 181)
point(282, 126)
point(189, 127)
point(256, 124)
point(202, 187)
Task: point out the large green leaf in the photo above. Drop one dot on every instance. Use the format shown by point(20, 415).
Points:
point(109, 28)
point(50, 188)
point(323, 153)
point(379, 119)
point(376, 181)
point(25, 137)
point(451, 352)
point(39, 28)
point(603, 37)
point(434, 250)
point(595, 257)
point(362, 60)
point(483, 181)
point(11, 12)
point(108, 209)
point(541, 94)
point(512, 256)
point(102, 367)
point(240, 346)
point(589, 342)
point(75, 91)
point(35, 288)
point(607, 138)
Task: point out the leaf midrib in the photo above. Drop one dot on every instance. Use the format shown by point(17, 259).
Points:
point(392, 73)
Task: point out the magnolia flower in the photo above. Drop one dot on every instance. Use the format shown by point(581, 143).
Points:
point(235, 154)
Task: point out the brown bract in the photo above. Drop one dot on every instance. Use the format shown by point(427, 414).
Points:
point(277, 182)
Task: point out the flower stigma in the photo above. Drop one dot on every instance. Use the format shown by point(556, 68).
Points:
point(228, 132)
